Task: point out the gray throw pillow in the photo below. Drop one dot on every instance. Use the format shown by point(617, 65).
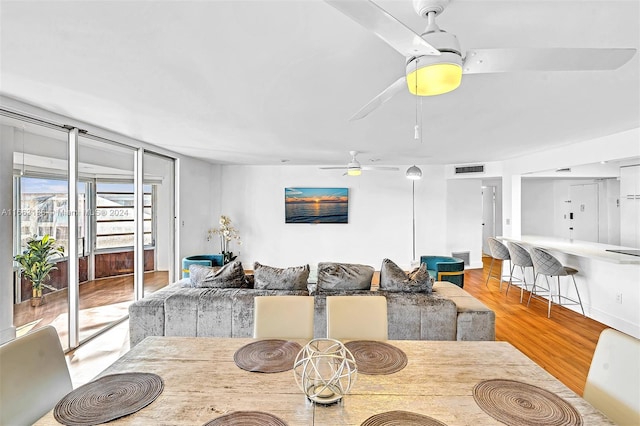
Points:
point(270, 278)
point(343, 276)
point(230, 275)
point(393, 278)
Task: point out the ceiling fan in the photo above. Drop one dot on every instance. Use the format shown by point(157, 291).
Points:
point(435, 62)
point(354, 168)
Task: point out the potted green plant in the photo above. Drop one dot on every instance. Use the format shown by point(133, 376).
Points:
point(36, 263)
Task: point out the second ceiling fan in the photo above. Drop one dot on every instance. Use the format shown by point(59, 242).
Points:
point(353, 168)
point(435, 62)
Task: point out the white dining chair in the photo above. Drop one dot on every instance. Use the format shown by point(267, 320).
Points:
point(613, 381)
point(33, 376)
point(357, 317)
point(283, 317)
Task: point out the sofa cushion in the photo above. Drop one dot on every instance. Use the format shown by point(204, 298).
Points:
point(393, 278)
point(230, 275)
point(270, 278)
point(343, 276)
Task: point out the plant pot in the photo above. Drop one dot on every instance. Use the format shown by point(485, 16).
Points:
point(37, 301)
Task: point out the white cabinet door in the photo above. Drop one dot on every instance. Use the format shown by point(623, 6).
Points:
point(630, 206)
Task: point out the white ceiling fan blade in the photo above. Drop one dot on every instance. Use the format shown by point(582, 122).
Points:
point(480, 61)
point(334, 168)
point(398, 86)
point(380, 168)
point(381, 23)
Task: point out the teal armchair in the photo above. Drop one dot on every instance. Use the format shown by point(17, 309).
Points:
point(202, 259)
point(444, 268)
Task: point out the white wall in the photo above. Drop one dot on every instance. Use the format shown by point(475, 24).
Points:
point(464, 218)
point(199, 203)
point(545, 210)
point(380, 219)
point(538, 207)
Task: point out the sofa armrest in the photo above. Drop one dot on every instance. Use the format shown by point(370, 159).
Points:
point(475, 320)
point(147, 315)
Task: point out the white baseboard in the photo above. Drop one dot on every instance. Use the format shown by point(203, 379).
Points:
point(614, 322)
point(474, 265)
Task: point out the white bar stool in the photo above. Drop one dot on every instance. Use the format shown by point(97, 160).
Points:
point(547, 265)
point(498, 252)
point(520, 257)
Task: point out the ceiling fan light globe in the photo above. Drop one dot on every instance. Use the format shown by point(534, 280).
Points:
point(435, 75)
point(354, 172)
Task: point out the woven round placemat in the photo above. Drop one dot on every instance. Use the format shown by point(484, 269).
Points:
point(373, 357)
point(246, 418)
point(267, 356)
point(401, 418)
point(108, 398)
point(517, 403)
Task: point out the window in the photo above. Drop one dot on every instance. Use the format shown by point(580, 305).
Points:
point(115, 215)
point(43, 210)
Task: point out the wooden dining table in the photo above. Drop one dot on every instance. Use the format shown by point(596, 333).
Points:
point(202, 382)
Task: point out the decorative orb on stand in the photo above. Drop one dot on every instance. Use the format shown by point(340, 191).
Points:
point(325, 370)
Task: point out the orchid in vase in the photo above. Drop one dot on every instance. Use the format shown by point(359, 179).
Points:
point(227, 233)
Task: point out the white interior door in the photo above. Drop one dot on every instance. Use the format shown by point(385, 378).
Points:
point(488, 216)
point(584, 208)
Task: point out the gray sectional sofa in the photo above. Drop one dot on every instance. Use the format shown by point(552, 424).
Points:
point(447, 313)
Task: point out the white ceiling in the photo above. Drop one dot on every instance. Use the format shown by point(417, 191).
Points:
point(264, 81)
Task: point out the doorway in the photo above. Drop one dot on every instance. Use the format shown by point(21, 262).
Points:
point(488, 216)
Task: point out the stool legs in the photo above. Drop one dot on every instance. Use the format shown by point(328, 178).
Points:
point(558, 294)
point(578, 293)
point(534, 292)
point(489, 274)
point(500, 273)
point(523, 281)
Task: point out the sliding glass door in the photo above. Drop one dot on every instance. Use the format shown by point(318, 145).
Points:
point(40, 208)
point(121, 239)
point(106, 291)
point(159, 176)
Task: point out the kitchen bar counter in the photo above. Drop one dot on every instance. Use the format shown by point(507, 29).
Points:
point(587, 249)
point(609, 283)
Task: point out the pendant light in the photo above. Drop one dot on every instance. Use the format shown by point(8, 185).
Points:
point(413, 173)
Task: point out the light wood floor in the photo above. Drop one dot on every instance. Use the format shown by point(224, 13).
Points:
point(101, 302)
point(563, 345)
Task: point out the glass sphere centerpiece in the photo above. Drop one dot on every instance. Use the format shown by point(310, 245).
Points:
point(325, 370)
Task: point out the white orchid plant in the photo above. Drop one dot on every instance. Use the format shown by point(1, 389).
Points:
point(227, 233)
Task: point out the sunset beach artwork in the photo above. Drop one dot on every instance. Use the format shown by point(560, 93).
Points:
point(316, 205)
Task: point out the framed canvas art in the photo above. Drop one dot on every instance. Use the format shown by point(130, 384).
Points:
point(316, 205)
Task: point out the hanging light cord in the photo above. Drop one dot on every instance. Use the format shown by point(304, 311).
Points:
point(421, 118)
point(416, 128)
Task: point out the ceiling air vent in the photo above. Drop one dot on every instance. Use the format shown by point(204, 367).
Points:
point(469, 169)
